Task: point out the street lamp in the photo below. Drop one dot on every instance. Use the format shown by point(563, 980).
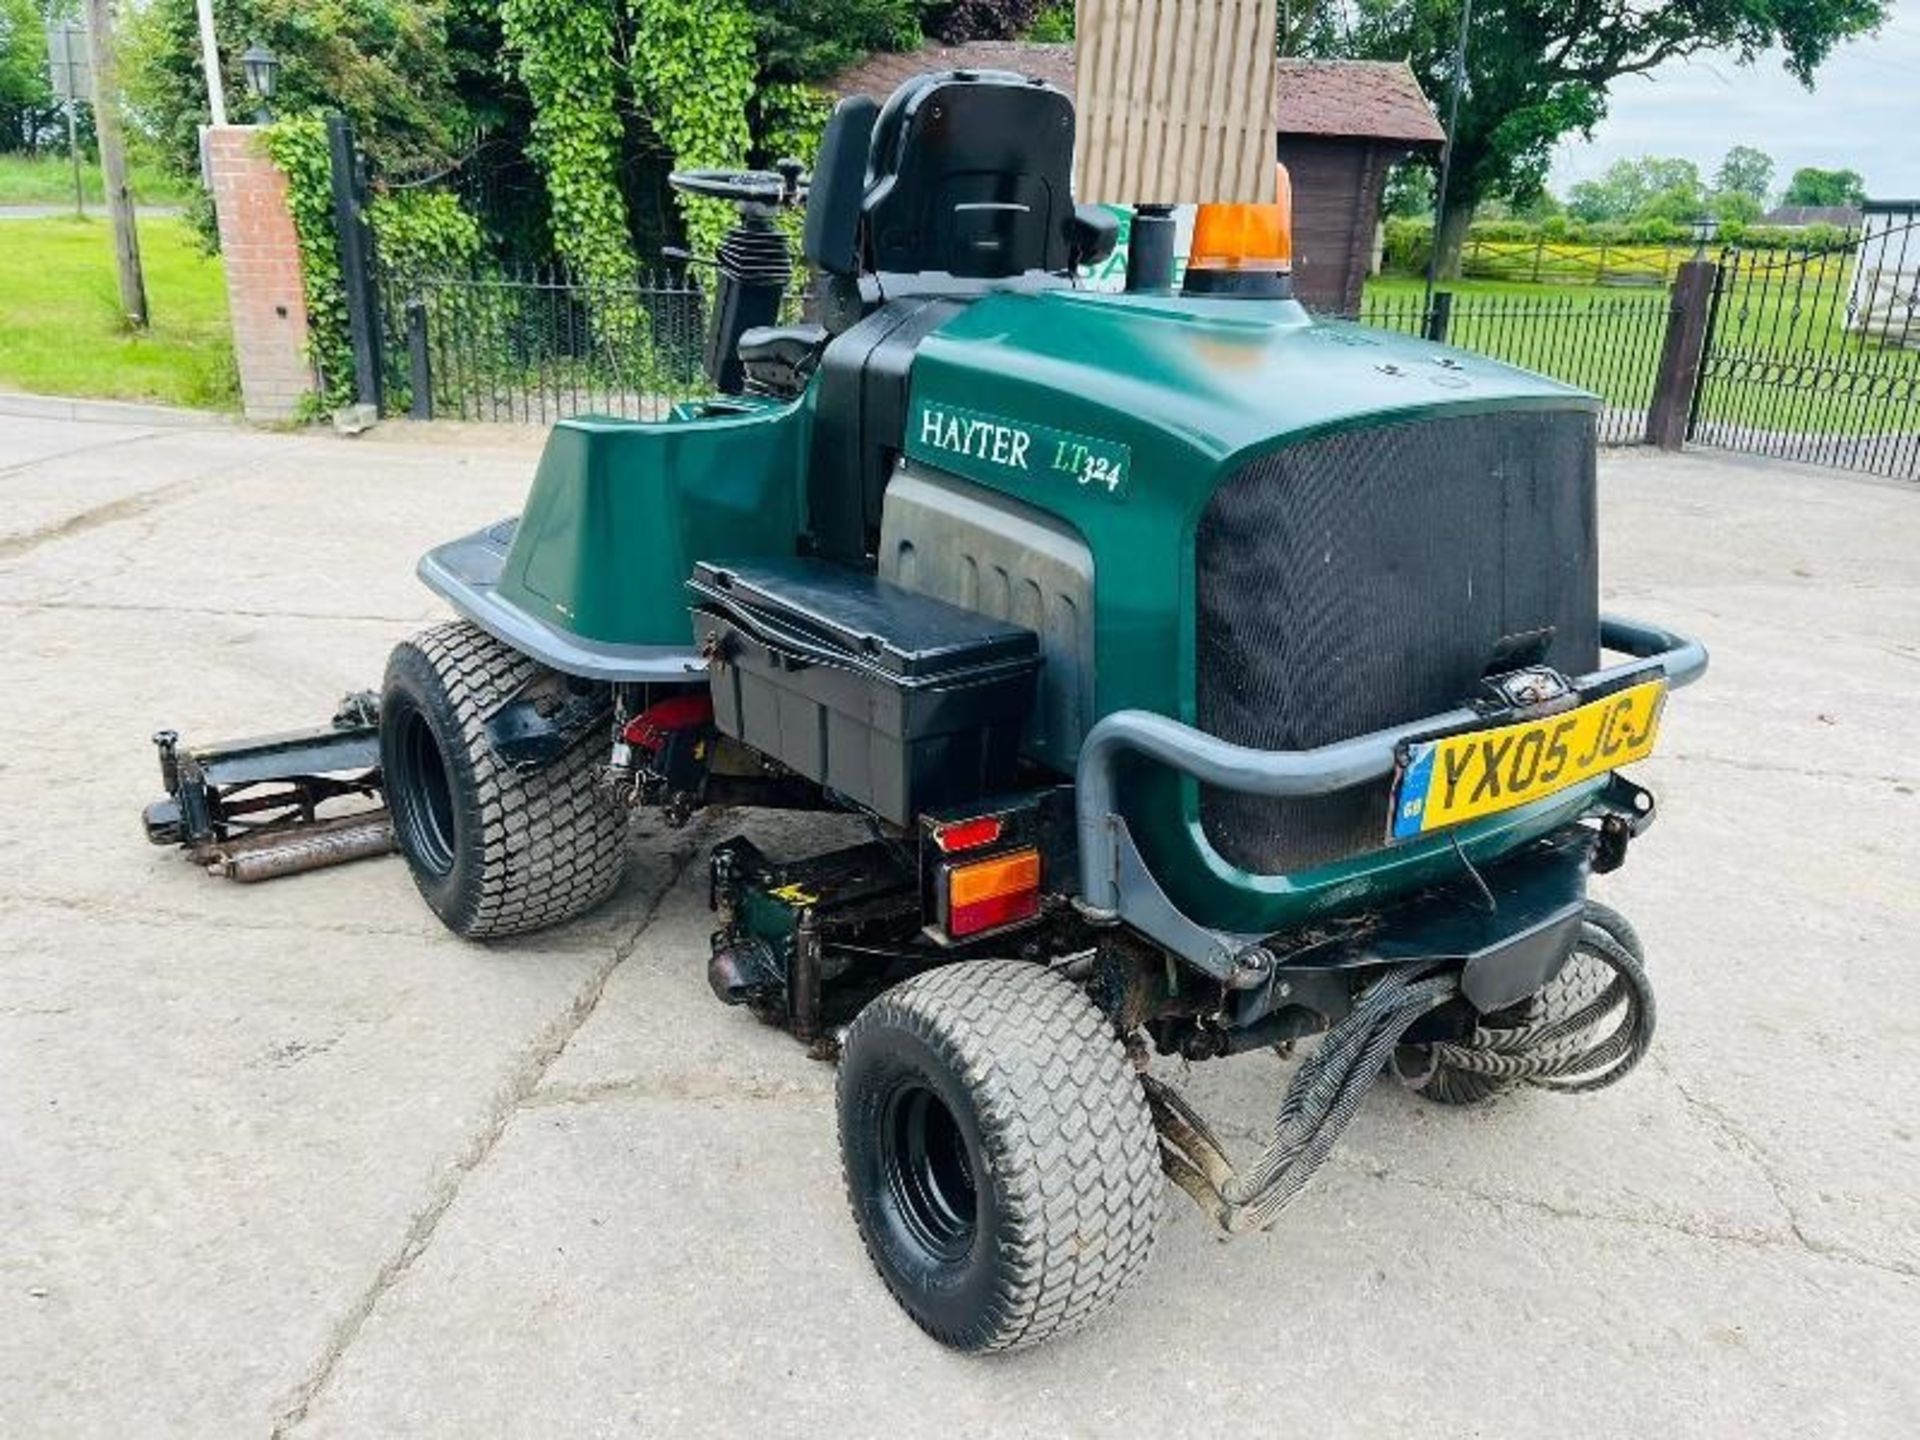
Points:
point(262, 68)
point(1704, 231)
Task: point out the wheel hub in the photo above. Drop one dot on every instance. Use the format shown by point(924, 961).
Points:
point(929, 1172)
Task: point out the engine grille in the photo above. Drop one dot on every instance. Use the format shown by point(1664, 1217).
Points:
point(1365, 580)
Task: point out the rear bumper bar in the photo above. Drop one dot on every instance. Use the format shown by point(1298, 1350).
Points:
point(1114, 882)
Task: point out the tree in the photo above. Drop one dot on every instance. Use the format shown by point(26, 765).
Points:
point(27, 110)
point(1811, 186)
point(1734, 207)
point(804, 40)
point(1409, 192)
point(1640, 189)
point(1745, 171)
point(1538, 70)
point(1298, 23)
point(386, 64)
point(956, 22)
point(1054, 25)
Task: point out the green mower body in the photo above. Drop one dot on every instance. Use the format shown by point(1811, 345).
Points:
point(1118, 417)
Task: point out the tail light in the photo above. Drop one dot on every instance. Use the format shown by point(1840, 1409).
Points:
point(987, 894)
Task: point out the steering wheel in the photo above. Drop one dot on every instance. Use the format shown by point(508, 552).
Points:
point(743, 187)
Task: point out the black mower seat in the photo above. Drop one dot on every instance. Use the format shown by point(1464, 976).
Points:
point(779, 358)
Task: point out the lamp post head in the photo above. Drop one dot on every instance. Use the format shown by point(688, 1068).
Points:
point(1704, 231)
point(262, 69)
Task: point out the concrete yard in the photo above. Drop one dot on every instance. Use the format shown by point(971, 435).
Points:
point(290, 1160)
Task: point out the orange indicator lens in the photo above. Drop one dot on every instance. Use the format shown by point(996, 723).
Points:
point(991, 893)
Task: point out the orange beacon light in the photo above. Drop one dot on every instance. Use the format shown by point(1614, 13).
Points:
point(1244, 250)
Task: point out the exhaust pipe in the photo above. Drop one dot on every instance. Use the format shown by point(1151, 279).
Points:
point(1150, 250)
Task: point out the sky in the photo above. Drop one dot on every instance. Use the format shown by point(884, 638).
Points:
point(1862, 114)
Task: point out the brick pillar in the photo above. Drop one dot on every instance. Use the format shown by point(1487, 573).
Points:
point(261, 253)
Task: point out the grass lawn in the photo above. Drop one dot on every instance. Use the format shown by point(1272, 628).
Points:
point(60, 326)
point(48, 180)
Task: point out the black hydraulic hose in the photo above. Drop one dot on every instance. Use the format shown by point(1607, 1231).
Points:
point(1578, 1052)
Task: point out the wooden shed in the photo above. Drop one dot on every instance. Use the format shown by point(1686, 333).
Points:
point(1340, 125)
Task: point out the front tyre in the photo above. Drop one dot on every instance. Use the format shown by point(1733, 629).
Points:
point(493, 850)
point(998, 1152)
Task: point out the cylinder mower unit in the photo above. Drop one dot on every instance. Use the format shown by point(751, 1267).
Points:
point(1208, 678)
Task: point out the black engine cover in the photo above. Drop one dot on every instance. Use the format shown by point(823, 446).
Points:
point(1368, 579)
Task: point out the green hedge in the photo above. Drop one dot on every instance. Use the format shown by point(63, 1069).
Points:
point(1409, 242)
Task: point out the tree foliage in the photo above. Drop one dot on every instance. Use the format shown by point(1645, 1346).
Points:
point(564, 56)
point(803, 40)
point(560, 118)
point(1745, 171)
point(1812, 186)
point(1631, 189)
point(1053, 25)
point(1656, 188)
point(956, 22)
point(385, 64)
point(28, 114)
point(693, 70)
point(1538, 70)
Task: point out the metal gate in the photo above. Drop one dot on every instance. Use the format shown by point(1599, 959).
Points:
point(1814, 354)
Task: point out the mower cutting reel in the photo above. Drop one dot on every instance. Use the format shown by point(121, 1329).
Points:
point(1208, 677)
point(251, 809)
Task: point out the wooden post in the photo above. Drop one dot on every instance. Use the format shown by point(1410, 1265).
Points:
point(1175, 101)
point(113, 161)
point(1679, 373)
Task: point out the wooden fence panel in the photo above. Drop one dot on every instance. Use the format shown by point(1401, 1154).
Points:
point(1175, 100)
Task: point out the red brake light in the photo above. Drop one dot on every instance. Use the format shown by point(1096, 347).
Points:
point(968, 834)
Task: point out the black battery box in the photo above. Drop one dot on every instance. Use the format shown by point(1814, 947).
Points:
point(898, 702)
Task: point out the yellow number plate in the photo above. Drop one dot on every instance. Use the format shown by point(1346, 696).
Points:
point(1486, 771)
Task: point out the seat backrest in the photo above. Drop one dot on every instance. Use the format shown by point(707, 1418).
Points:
point(838, 187)
point(970, 174)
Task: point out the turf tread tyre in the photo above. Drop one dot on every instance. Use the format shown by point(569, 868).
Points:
point(531, 849)
point(1579, 982)
point(1069, 1146)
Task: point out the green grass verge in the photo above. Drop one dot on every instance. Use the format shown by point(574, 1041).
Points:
point(61, 331)
point(48, 180)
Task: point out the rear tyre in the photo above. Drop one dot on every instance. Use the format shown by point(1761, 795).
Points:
point(493, 850)
point(998, 1153)
point(1578, 984)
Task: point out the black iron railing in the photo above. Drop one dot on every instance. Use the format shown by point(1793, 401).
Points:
point(1609, 344)
point(534, 348)
point(1814, 355)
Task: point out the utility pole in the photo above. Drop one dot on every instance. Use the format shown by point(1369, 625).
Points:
point(1446, 153)
point(113, 161)
point(210, 63)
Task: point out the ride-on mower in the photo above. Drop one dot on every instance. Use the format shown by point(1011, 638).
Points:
point(1210, 677)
